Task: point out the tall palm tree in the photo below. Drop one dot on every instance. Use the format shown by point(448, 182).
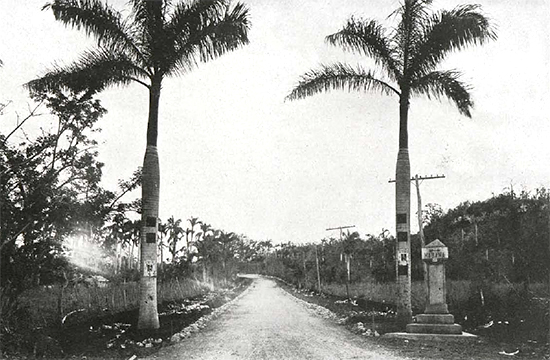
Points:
point(408, 56)
point(158, 39)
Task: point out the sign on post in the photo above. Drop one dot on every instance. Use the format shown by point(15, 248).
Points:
point(435, 251)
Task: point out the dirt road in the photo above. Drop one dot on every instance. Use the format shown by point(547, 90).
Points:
point(268, 323)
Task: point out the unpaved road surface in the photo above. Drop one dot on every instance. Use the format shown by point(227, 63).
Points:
point(268, 323)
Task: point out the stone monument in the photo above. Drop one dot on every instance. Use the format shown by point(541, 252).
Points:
point(436, 318)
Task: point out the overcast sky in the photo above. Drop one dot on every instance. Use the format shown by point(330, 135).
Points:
point(239, 157)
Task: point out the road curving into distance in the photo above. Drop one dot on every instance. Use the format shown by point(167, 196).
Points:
point(268, 323)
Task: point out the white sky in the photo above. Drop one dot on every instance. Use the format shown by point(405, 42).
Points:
point(236, 155)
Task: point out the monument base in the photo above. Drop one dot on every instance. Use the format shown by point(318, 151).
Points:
point(464, 337)
point(435, 319)
point(416, 328)
point(431, 323)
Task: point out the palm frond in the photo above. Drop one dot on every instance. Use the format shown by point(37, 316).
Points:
point(367, 37)
point(338, 77)
point(94, 71)
point(98, 20)
point(149, 17)
point(186, 18)
point(412, 14)
point(205, 31)
point(448, 31)
point(440, 84)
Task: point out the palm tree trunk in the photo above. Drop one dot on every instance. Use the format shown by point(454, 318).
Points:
point(403, 209)
point(204, 272)
point(148, 312)
point(174, 249)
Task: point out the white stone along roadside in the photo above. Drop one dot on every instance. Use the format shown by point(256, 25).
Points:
point(265, 322)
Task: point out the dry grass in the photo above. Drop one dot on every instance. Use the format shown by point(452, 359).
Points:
point(458, 291)
point(42, 304)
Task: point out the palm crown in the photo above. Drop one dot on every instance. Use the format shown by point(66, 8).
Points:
point(408, 54)
point(157, 39)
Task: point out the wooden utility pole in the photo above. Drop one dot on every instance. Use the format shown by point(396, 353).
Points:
point(417, 181)
point(318, 273)
point(347, 257)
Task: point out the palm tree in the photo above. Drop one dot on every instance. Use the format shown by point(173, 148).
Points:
point(225, 240)
point(163, 230)
point(205, 229)
point(176, 232)
point(193, 221)
point(408, 56)
point(132, 234)
point(158, 39)
point(204, 248)
point(348, 243)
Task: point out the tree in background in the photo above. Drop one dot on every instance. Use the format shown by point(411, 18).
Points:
point(158, 39)
point(49, 189)
point(408, 56)
point(206, 250)
point(175, 232)
point(501, 239)
point(226, 241)
point(163, 231)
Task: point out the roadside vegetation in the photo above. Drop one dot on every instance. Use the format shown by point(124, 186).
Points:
point(497, 269)
point(371, 319)
point(70, 247)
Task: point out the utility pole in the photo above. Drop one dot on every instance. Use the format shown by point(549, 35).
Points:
point(417, 181)
point(318, 273)
point(346, 256)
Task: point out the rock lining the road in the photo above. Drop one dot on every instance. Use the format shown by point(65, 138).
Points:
point(314, 308)
point(203, 321)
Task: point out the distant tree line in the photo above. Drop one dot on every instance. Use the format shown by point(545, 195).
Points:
point(371, 259)
point(502, 239)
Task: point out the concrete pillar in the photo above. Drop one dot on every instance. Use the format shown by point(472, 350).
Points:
point(436, 318)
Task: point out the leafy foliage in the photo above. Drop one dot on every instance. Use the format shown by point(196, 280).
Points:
point(504, 238)
point(49, 191)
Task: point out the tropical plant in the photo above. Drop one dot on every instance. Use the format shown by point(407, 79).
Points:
point(158, 39)
point(226, 240)
point(193, 221)
point(175, 232)
point(408, 56)
point(349, 245)
point(163, 230)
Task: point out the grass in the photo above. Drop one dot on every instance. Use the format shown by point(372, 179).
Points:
point(514, 319)
point(42, 304)
point(458, 292)
point(100, 322)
